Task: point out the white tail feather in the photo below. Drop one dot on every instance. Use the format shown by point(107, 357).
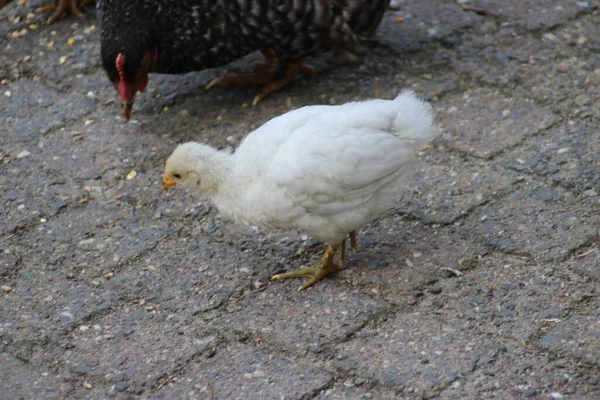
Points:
point(414, 121)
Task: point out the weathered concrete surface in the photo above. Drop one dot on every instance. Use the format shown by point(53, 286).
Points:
point(482, 283)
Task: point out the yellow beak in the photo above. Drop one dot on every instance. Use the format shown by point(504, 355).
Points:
point(167, 183)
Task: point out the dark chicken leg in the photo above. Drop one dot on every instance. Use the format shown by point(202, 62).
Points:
point(265, 74)
point(61, 7)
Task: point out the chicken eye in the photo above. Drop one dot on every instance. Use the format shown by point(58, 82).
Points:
point(177, 176)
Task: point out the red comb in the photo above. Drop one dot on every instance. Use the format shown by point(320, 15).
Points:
point(120, 63)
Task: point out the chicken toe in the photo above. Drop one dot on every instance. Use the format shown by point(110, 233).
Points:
point(265, 72)
point(324, 268)
point(292, 71)
point(61, 7)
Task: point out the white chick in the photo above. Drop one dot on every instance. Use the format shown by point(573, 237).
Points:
point(327, 170)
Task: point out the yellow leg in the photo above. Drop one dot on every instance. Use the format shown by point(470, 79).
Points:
point(342, 254)
point(320, 271)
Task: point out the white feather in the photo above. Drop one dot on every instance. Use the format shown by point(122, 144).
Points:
point(327, 170)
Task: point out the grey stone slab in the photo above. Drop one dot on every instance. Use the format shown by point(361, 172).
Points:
point(134, 349)
point(33, 109)
point(484, 122)
point(240, 371)
point(566, 155)
point(518, 378)
point(415, 353)
point(188, 276)
point(447, 186)
point(535, 14)
point(20, 380)
point(301, 321)
point(353, 389)
point(577, 335)
point(399, 258)
point(510, 296)
point(586, 262)
point(537, 220)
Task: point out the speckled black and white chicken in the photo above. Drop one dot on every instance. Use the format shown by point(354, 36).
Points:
point(327, 170)
point(179, 36)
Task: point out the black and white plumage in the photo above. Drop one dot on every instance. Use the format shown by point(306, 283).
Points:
point(178, 36)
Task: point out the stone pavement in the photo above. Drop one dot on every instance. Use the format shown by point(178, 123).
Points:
point(483, 282)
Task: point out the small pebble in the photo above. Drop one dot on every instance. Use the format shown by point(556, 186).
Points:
point(6, 289)
point(87, 385)
point(23, 154)
point(563, 67)
point(131, 175)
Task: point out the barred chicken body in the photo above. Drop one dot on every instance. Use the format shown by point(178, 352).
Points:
point(327, 170)
point(175, 36)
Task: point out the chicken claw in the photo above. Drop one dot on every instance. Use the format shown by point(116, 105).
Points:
point(62, 7)
point(265, 75)
point(325, 267)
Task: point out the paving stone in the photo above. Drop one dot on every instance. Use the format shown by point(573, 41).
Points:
point(167, 281)
point(350, 390)
point(33, 110)
point(400, 266)
point(565, 154)
point(302, 321)
point(20, 380)
point(449, 186)
point(499, 378)
point(505, 58)
point(577, 335)
point(587, 262)
point(509, 224)
point(484, 123)
point(510, 296)
point(127, 351)
point(43, 306)
point(430, 18)
point(415, 353)
point(240, 371)
point(534, 14)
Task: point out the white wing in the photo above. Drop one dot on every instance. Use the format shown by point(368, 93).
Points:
point(339, 158)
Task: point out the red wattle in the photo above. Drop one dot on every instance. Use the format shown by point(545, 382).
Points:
point(124, 91)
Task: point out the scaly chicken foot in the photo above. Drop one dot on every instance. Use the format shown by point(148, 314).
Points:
point(62, 7)
point(293, 70)
point(265, 73)
point(324, 267)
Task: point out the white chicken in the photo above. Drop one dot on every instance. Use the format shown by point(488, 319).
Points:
point(327, 170)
